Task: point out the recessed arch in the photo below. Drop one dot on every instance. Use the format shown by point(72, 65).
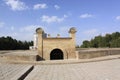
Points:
point(56, 54)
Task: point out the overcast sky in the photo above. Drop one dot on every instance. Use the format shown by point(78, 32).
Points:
point(20, 18)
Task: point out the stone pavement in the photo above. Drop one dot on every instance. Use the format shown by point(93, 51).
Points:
point(12, 71)
point(103, 70)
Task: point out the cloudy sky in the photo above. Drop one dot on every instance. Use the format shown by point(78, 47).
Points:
point(20, 18)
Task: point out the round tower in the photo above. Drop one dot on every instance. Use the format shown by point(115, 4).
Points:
point(72, 53)
point(40, 32)
point(72, 32)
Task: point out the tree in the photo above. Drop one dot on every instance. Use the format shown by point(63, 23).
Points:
point(94, 43)
point(109, 40)
point(115, 35)
point(86, 44)
point(8, 43)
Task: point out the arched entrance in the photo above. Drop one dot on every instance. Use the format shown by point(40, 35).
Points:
point(56, 54)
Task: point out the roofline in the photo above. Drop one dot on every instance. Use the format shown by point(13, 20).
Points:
point(58, 38)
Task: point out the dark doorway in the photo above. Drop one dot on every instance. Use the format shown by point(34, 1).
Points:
point(56, 54)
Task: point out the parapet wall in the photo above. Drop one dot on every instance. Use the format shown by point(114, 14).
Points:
point(18, 55)
point(92, 53)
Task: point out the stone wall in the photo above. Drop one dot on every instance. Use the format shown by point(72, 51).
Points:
point(92, 53)
point(18, 55)
point(48, 44)
point(64, 44)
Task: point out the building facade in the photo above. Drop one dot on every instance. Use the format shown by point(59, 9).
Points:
point(54, 48)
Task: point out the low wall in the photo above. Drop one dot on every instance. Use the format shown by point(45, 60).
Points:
point(92, 53)
point(18, 55)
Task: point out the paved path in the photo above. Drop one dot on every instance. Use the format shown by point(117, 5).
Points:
point(12, 71)
point(65, 70)
point(103, 70)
